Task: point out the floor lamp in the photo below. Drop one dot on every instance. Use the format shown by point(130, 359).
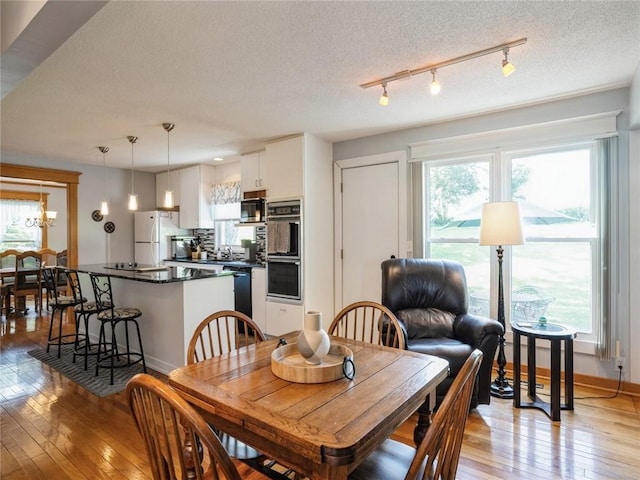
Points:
point(500, 225)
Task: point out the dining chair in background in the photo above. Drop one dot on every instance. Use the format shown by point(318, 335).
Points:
point(28, 280)
point(368, 322)
point(179, 443)
point(8, 265)
point(438, 453)
point(49, 257)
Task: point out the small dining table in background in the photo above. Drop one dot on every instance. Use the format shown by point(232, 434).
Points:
point(322, 430)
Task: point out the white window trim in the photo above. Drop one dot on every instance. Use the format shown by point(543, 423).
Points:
point(562, 131)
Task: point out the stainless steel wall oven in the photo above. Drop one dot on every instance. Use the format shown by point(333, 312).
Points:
point(284, 250)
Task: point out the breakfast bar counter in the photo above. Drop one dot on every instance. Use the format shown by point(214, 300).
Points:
point(173, 301)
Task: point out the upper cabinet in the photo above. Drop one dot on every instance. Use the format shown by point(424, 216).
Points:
point(252, 172)
point(196, 184)
point(285, 168)
point(161, 187)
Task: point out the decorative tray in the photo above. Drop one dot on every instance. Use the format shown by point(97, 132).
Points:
point(288, 364)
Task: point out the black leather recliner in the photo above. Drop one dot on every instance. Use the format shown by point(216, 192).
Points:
point(430, 299)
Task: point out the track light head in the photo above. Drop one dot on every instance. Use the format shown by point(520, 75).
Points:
point(435, 86)
point(384, 98)
point(507, 67)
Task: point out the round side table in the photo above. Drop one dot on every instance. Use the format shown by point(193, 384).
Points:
point(556, 334)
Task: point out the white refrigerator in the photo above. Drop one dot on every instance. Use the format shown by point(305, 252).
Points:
point(152, 236)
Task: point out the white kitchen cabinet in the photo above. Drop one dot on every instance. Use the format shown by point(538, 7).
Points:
point(285, 161)
point(302, 167)
point(283, 317)
point(161, 187)
point(259, 297)
point(252, 172)
point(196, 184)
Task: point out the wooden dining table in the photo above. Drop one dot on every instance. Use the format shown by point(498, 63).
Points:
point(321, 430)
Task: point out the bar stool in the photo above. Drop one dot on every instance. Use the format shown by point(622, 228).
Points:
point(59, 304)
point(82, 311)
point(110, 315)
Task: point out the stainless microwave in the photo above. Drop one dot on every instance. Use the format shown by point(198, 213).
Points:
point(252, 210)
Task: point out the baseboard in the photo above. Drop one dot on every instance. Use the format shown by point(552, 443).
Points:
point(605, 384)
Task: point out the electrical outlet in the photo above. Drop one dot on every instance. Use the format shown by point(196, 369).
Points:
point(620, 362)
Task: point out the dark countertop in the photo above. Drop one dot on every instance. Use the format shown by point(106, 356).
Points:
point(224, 263)
point(167, 275)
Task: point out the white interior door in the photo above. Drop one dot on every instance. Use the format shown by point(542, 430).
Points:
point(371, 220)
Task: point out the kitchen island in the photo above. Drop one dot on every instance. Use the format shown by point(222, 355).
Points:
point(173, 301)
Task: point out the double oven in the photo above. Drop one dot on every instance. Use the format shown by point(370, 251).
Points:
point(284, 250)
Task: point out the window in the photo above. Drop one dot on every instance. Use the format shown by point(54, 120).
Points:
point(228, 234)
point(14, 234)
point(556, 273)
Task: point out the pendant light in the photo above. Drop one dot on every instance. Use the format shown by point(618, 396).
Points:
point(168, 193)
point(104, 206)
point(133, 198)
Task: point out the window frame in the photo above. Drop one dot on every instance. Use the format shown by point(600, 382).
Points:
point(500, 169)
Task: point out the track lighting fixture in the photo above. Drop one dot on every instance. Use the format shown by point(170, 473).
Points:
point(435, 86)
point(384, 98)
point(133, 198)
point(168, 193)
point(507, 68)
point(104, 206)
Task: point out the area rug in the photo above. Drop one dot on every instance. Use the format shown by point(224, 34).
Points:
point(98, 385)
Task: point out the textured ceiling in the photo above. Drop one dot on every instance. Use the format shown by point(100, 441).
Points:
point(232, 75)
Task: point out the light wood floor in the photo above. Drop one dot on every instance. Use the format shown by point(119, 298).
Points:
point(53, 429)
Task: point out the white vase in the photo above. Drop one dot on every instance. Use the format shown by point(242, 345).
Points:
point(313, 341)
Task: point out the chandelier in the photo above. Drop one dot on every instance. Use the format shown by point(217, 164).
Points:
point(42, 218)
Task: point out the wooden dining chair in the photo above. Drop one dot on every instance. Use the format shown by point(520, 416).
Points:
point(368, 322)
point(49, 256)
point(220, 333)
point(28, 279)
point(8, 265)
point(438, 454)
point(178, 441)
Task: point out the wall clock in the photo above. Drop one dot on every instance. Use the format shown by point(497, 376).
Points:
point(97, 216)
point(109, 227)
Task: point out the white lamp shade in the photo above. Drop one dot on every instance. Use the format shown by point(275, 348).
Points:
point(133, 202)
point(51, 215)
point(501, 224)
point(168, 199)
point(104, 208)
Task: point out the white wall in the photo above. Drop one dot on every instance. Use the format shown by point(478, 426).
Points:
point(629, 148)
